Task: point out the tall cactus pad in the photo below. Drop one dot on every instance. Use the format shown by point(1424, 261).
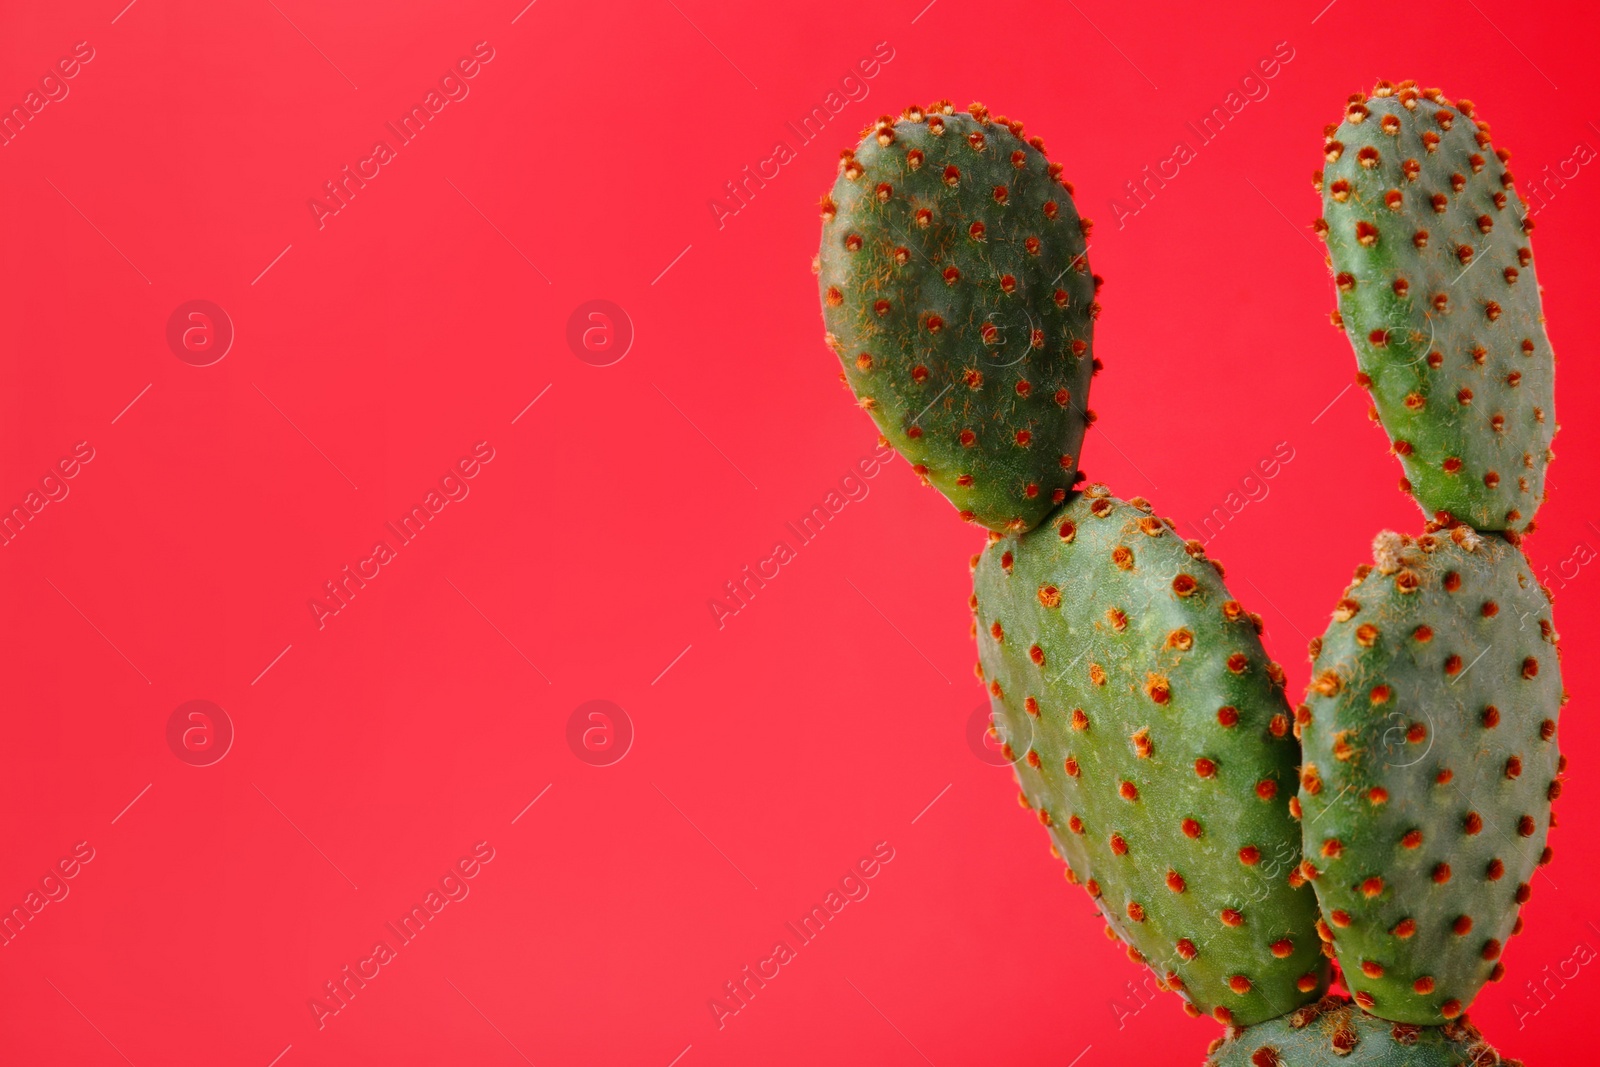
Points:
point(957, 294)
point(1437, 292)
point(1151, 736)
point(1430, 763)
point(1333, 1031)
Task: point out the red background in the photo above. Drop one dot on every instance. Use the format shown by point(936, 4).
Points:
point(819, 720)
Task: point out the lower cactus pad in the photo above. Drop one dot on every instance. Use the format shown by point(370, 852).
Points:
point(1430, 762)
point(1151, 736)
point(1334, 1031)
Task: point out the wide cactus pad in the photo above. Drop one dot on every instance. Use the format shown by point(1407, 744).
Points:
point(1151, 736)
point(1438, 294)
point(1430, 762)
point(1333, 1031)
point(958, 297)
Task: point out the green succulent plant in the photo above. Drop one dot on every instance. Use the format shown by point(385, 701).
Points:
point(1393, 820)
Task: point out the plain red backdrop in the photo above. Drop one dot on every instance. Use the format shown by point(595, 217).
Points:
point(771, 753)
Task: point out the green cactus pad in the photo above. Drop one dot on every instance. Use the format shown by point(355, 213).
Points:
point(1151, 736)
point(1333, 1031)
point(957, 294)
point(1438, 295)
point(1430, 762)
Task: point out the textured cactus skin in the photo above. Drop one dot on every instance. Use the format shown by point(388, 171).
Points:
point(1334, 1031)
point(1448, 336)
point(1151, 735)
point(1430, 762)
point(978, 378)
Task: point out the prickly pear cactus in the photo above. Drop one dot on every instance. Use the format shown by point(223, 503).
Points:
point(1438, 295)
point(1430, 762)
point(957, 295)
point(1151, 736)
point(1333, 1031)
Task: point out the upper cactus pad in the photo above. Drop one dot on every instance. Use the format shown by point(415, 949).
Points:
point(1437, 292)
point(1333, 1031)
point(1430, 762)
point(957, 294)
point(1151, 735)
